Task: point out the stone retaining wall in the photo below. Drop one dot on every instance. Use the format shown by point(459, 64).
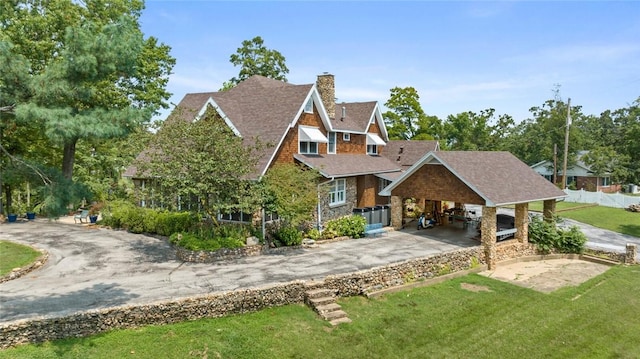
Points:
point(249, 300)
point(19, 272)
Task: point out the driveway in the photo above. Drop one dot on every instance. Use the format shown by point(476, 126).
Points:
point(92, 268)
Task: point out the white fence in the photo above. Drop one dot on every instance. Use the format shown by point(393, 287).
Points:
point(617, 200)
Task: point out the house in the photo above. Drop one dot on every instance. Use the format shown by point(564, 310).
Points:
point(579, 176)
point(487, 178)
point(345, 142)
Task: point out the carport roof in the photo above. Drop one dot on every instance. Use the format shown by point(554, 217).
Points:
point(498, 177)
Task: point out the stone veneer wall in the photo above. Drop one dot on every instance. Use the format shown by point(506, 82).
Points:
point(250, 300)
point(351, 198)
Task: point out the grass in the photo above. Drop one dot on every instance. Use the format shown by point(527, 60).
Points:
point(596, 320)
point(614, 219)
point(13, 255)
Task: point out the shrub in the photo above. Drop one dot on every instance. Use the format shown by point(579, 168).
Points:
point(313, 233)
point(352, 226)
point(289, 236)
point(548, 237)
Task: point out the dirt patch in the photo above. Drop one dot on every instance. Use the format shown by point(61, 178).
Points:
point(547, 275)
point(474, 287)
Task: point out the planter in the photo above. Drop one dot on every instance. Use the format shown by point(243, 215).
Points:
point(12, 218)
point(31, 216)
point(93, 218)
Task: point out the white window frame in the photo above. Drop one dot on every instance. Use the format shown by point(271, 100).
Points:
point(606, 182)
point(331, 146)
point(372, 149)
point(308, 107)
point(346, 137)
point(308, 147)
point(337, 192)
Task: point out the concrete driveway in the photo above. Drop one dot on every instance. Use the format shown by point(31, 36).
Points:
point(92, 268)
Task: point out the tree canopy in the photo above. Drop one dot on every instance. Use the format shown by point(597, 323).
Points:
point(201, 164)
point(74, 71)
point(256, 59)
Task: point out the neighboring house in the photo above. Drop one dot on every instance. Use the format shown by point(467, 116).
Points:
point(579, 176)
point(345, 142)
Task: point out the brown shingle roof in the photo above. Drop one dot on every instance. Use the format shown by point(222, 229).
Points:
point(407, 152)
point(346, 165)
point(498, 177)
point(358, 115)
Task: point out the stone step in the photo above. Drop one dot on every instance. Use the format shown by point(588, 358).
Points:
point(340, 321)
point(331, 307)
point(336, 314)
point(317, 302)
point(320, 293)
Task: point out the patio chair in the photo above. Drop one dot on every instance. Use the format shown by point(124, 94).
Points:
point(84, 214)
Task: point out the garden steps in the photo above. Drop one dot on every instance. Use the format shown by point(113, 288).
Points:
point(323, 302)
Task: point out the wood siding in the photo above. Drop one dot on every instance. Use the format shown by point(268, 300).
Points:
point(436, 182)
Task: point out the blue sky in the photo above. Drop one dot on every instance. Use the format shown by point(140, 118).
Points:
point(459, 56)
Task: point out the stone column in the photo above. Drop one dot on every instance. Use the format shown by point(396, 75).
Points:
point(631, 254)
point(549, 209)
point(522, 223)
point(396, 212)
point(489, 235)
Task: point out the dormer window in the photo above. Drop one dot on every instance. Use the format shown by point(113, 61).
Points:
point(373, 141)
point(308, 108)
point(308, 139)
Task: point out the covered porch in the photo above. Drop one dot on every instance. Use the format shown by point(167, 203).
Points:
point(480, 178)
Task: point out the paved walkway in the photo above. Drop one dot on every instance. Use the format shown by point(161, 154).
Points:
point(92, 268)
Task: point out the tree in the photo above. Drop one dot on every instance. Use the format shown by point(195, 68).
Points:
point(470, 131)
point(604, 159)
point(93, 75)
point(406, 119)
point(291, 190)
point(204, 161)
point(255, 59)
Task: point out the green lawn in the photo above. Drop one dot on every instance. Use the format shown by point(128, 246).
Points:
point(614, 219)
point(598, 319)
point(14, 255)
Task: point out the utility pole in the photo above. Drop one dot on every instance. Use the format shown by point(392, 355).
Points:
point(555, 164)
point(566, 145)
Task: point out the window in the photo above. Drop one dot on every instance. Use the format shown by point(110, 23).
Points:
point(382, 183)
point(346, 137)
point(606, 181)
point(308, 108)
point(308, 138)
point(309, 147)
point(372, 149)
point(337, 192)
point(332, 142)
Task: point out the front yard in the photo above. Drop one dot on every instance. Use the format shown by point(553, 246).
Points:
point(493, 320)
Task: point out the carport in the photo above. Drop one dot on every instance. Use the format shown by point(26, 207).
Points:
point(487, 178)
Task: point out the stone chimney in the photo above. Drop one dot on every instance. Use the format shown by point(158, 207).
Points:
point(327, 89)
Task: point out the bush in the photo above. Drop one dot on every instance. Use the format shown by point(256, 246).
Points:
point(122, 214)
point(548, 237)
point(287, 235)
point(351, 226)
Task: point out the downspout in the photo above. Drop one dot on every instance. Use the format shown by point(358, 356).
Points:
point(319, 224)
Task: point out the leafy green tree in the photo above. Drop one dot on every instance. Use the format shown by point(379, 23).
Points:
point(256, 59)
point(470, 131)
point(605, 159)
point(536, 137)
point(291, 190)
point(92, 74)
point(202, 160)
point(627, 121)
point(405, 118)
